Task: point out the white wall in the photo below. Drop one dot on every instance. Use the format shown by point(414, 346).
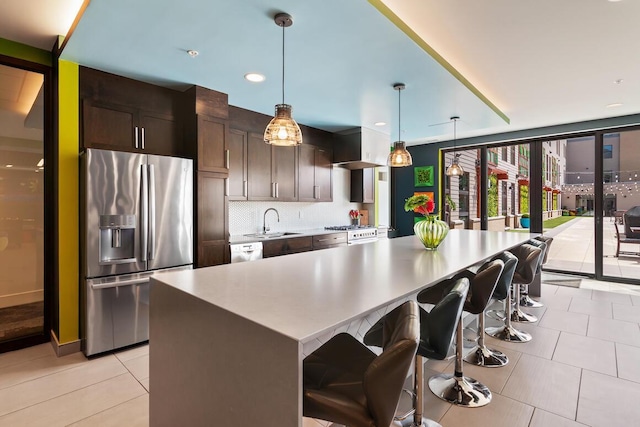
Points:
point(246, 217)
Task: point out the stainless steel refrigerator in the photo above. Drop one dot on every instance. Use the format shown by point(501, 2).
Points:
point(136, 220)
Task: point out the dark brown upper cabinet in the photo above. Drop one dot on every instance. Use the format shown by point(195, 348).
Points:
point(127, 115)
point(238, 179)
point(363, 185)
point(259, 171)
point(314, 174)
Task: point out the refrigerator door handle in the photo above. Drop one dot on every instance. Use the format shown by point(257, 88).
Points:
point(107, 285)
point(144, 214)
point(143, 138)
point(152, 212)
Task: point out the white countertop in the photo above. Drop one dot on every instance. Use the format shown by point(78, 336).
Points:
point(247, 238)
point(303, 295)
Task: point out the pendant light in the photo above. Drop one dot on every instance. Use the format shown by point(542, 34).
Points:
point(399, 157)
point(454, 168)
point(282, 130)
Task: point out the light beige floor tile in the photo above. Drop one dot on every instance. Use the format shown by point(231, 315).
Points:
point(75, 406)
point(557, 302)
point(543, 343)
point(139, 367)
point(628, 362)
point(501, 412)
point(606, 401)
point(311, 422)
point(39, 367)
point(614, 330)
point(41, 389)
point(494, 378)
point(547, 289)
point(574, 292)
point(547, 419)
point(133, 413)
point(545, 384)
point(615, 297)
point(628, 313)
point(591, 307)
point(585, 352)
point(145, 383)
point(559, 320)
point(25, 354)
point(132, 353)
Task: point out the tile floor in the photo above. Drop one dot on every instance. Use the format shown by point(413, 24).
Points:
point(582, 368)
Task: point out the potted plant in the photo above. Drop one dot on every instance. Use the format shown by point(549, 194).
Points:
point(525, 220)
point(429, 229)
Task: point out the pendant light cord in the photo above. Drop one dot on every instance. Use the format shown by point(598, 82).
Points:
point(283, 64)
point(399, 107)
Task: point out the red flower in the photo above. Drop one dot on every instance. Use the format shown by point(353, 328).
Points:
point(431, 206)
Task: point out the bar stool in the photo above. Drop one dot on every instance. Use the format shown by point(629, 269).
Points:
point(525, 300)
point(529, 257)
point(436, 334)
point(503, 292)
point(345, 383)
point(481, 355)
point(456, 388)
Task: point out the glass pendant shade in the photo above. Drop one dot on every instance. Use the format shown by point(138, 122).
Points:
point(454, 168)
point(399, 157)
point(282, 130)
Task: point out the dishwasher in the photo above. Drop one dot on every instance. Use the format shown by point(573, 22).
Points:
point(242, 252)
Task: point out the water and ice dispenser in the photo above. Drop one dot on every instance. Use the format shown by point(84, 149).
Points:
point(117, 239)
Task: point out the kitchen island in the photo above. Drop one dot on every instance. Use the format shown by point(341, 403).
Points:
point(227, 342)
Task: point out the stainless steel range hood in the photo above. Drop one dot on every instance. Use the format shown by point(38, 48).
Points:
point(361, 148)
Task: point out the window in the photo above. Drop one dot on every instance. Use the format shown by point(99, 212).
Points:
point(504, 154)
point(513, 155)
point(607, 151)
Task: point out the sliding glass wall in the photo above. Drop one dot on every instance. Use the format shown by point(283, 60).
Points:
point(621, 205)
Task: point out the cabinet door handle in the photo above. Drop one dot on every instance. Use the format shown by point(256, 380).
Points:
point(226, 186)
point(273, 189)
point(277, 191)
point(245, 189)
point(316, 191)
point(143, 138)
point(226, 159)
point(135, 135)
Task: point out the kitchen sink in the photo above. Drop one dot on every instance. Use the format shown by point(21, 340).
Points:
point(271, 235)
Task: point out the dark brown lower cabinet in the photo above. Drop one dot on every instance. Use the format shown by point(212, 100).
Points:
point(289, 246)
point(212, 220)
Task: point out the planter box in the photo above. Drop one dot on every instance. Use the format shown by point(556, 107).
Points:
point(524, 222)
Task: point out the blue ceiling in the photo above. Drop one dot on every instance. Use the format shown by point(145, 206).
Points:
point(342, 58)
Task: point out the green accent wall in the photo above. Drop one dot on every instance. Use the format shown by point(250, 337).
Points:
point(24, 52)
point(68, 200)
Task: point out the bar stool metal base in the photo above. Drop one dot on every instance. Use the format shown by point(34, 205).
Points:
point(410, 423)
point(461, 391)
point(508, 333)
point(518, 315)
point(526, 301)
point(489, 358)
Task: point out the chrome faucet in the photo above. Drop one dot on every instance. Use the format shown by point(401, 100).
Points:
point(264, 219)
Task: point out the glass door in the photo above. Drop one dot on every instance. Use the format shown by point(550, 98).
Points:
point(21, 204)
point(621, 205)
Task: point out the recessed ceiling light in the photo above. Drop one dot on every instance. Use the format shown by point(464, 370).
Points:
point(614, 105)
point(254, 77)
point(193, 53)
point(614, 1)
point(618, 81)
point(8, 166)
point(380, 123)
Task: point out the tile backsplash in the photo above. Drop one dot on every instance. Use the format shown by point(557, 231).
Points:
point(246, 217)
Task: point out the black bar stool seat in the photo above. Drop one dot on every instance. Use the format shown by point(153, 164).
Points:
point(346, 383)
